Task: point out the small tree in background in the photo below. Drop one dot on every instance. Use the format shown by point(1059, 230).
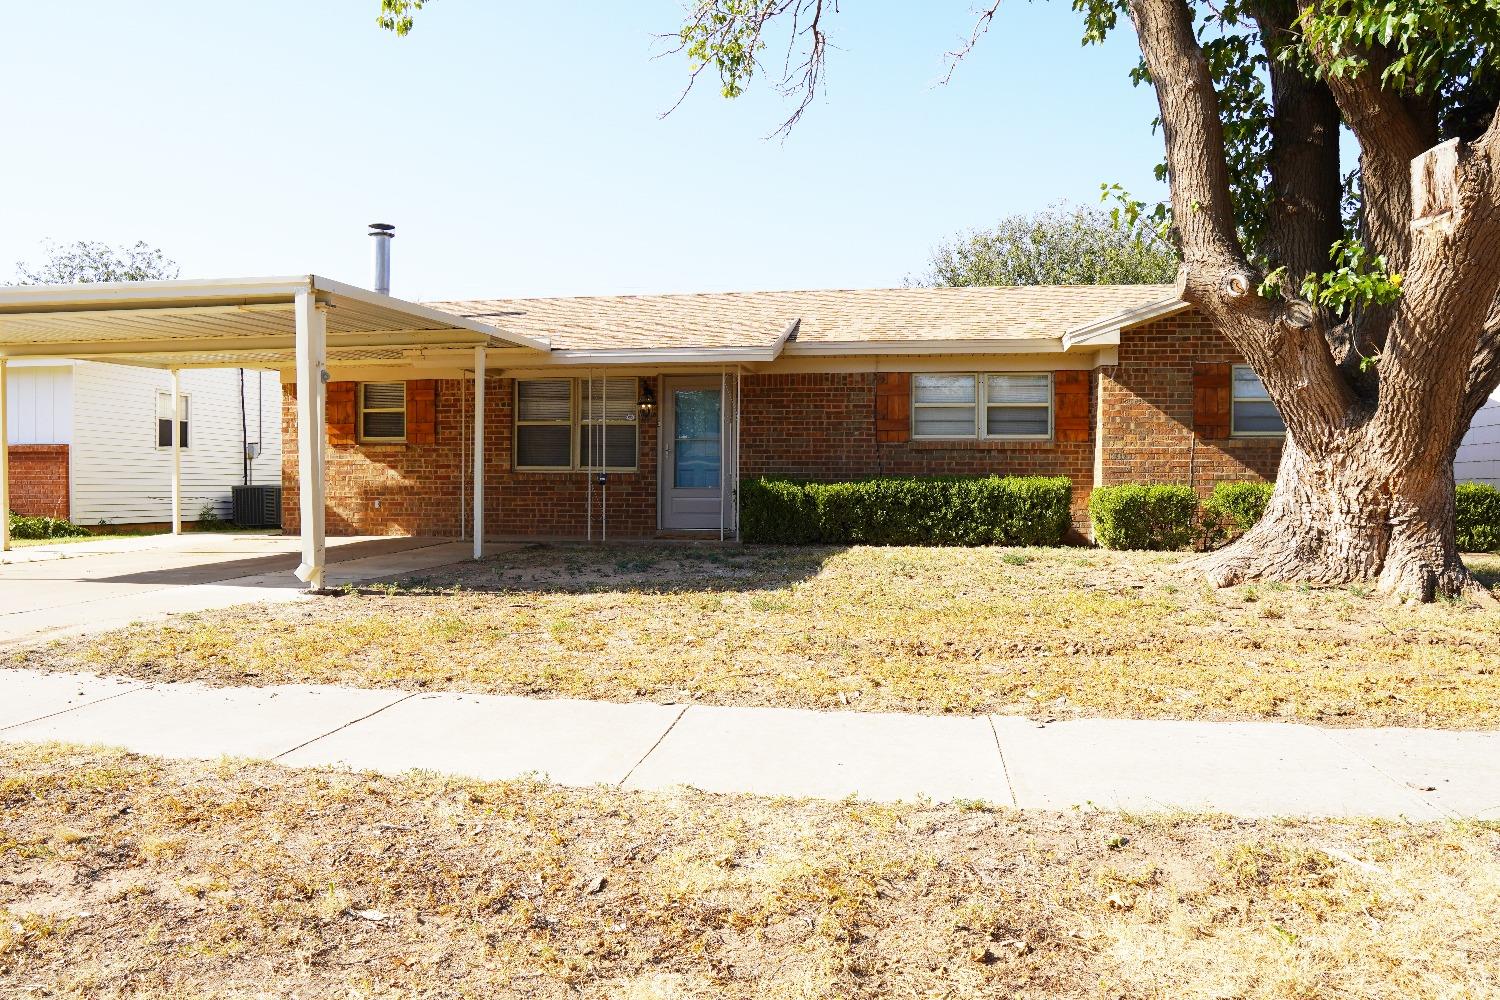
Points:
point(88, 261)
point(1064, 245)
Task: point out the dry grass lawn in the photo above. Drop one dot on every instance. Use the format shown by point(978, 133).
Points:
point(1053, 632)
point(123, 876)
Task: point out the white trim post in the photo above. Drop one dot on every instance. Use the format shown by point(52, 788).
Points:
point(479, 373)
point(312, 361)
point(4, 461)
point(176, 452)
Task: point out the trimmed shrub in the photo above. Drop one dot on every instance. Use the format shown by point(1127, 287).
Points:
point(1477, 517)
point(990, 510)
point(44, 527)
point(1133, 516)
point(1231, 510)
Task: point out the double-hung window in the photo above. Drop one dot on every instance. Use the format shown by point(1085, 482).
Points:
point(564, 424)
point(164, 420)
point(382, 412)
point(1252, 414)
point(1001, 406)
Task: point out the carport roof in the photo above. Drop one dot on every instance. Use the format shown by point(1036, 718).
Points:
point(246, 322)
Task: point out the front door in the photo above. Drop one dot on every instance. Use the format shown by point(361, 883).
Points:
point(692, 454)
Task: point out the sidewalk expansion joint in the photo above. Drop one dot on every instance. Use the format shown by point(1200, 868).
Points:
point(351, 722)
point(665, 733)
point(1010, 786)
point(74, 708)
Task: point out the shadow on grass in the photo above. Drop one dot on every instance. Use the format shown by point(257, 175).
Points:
point(1486, 569)
point(644, 569)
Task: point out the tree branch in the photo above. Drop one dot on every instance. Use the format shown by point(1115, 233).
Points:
point(1202, 207)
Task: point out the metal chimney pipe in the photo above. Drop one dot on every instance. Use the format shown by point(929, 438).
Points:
point(383, 232)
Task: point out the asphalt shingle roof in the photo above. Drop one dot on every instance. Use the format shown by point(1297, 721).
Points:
point(757, 319)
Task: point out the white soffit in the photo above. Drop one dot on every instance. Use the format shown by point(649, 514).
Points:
point(1106, 332)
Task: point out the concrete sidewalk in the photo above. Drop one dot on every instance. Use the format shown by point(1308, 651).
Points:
point(1248, 769)
point(48, 592)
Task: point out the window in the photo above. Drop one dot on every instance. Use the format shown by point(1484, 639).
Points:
point(607, 427)
point(1252, 414)
point(565, 424)
point(164, 420)
point(382, 411)
point(1014, 406)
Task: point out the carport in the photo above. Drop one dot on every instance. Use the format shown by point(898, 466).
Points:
point(307, 325)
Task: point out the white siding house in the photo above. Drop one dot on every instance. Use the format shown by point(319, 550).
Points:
point(117, 470)
point(1478, 459)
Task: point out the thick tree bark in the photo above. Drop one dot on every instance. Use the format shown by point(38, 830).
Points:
point(1353, 516)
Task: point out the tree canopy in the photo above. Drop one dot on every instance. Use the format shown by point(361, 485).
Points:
point(1063, 245)
point(88, 261)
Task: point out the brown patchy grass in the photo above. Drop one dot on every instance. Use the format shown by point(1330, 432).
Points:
point(124, 876)
point(1057, 632)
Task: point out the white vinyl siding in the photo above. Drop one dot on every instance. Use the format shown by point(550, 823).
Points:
point(559, 423)
point(39, 403)
point(1478, 459)
point(382, 412)
point(1251, 412)
point(120, 476)
point(999, 406)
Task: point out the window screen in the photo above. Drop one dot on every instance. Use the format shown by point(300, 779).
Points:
point(1018, 406)
point(382, 411)
point(544, 423)
point(609, 404)
point(1252, 412)
point(943, 405)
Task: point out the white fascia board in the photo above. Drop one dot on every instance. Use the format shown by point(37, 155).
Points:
point(677, 355)
point(437, 316)
point(1106, 332)
point(1030, 345)
point(104, 294)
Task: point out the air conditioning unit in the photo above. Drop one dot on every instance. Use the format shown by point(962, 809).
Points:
point(257, 506)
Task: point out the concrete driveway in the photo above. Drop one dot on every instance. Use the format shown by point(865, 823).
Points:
point(52, 591)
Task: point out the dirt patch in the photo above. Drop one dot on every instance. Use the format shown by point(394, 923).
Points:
point(124, 876)
point(1045, 632)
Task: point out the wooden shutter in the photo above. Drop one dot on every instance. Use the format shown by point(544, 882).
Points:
point(343, 416)
point(421, 412)
point(1211, 400)
point(893, 407)
point(1070, 394)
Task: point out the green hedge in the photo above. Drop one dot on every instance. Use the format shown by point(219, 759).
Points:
point(992, 510)
point(1133, 516)
point(43, 527)
point(1478, 517)
point(1232, 509)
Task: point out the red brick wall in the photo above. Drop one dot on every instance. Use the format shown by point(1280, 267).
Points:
point(1147, 399)
point(823, 427)
point(39, 480)
point(422, 488)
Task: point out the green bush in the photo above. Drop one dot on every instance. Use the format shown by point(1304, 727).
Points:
point(43, 527)
point(1231, 510)
point(1133, 516)
point(990, 510)
point(1477, 517)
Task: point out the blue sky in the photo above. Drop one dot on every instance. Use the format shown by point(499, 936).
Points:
point(519, 147)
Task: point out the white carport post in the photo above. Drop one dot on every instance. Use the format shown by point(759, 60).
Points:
point(4, 463)
point(479, 361)
point(312, 360)
point(176, 453)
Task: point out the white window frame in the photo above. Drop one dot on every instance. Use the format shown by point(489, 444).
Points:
point(585, 421)
point(981, 407)
point(577, 420)
point(1234, 401)
point(187, 418)
point(360, 410)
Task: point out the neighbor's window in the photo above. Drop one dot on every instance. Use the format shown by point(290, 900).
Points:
point(382, 411)
point(1001, 406)
point(1252, 414)
point(564, 424)
point(164, 419)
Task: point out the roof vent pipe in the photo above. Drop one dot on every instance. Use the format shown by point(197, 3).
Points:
point(383, 232)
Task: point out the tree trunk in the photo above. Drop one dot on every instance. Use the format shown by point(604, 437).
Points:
point(1350, 517)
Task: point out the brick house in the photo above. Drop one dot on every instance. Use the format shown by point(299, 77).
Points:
point(642, 413)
